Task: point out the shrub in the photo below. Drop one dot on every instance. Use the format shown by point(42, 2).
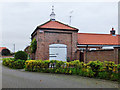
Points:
point(118, 68)
point(21, 55)
point(109, 67)
point(7, 61)
point(103, 75)
point(91, 69)
point(12, 63)
point(19, 64)
point(114, 77)
point(95, 66)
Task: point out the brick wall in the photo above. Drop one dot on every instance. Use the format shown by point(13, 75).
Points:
point(119, 55)
point(48, 37)
point(102, 55)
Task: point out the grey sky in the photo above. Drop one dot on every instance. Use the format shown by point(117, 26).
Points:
point(19, 19)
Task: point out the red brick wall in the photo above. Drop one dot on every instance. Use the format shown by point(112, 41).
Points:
point(119, 55)
point(48, 37)
point(102, 55)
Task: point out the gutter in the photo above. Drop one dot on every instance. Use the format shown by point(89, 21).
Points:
point(98, 45)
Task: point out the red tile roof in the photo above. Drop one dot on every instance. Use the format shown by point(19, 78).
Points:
point(98, 39)
point(56, 25)
point(1, 48)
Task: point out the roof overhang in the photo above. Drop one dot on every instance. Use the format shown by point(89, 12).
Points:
point(54, 29)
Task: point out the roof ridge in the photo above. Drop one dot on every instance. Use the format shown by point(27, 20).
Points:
point(66, 25)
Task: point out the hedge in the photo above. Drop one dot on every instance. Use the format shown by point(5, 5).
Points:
point(103, 70)
point(97, 69)
point(21, 55)
point(12, 63)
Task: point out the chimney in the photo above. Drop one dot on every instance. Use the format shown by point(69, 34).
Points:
point(112, 31)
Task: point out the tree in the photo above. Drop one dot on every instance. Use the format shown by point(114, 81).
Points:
point(6, 52)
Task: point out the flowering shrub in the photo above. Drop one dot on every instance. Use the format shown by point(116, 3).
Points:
point(118, 68)
point(103, 70)
point(95, 66)
point(12, 63)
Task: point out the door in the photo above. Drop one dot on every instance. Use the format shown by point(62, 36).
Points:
point(118, 56)
point(58, 52)
point(81, 57)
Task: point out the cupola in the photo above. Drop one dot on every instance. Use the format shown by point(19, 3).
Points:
point(52, 15)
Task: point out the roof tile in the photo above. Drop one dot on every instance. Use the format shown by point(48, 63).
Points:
point(1, 48)
point(98, 39)
point(56, 25)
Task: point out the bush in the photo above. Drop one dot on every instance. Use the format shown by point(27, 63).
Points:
point(95, 66)
point(21, 55)
point(12, 63)
point(5, 52)
point(103, 75)
point(19, 64)
point(91, 69)
point(7, 61)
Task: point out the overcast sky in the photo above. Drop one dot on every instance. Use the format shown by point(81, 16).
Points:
point(19, 19)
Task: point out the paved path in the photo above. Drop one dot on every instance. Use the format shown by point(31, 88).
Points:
point(22, 79)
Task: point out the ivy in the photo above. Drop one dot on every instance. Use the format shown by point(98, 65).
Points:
point(33, 46)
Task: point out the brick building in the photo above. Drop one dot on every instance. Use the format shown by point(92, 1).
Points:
point(58, 41)
point(88, 41)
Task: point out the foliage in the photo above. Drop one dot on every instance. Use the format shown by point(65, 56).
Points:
point(21, 55)
point(5, 52)
point(103, 75)
point(33, 45)
point(68, 59)
point(75, 68)
point(12, 63)
point(105, 70)
point(95, 66)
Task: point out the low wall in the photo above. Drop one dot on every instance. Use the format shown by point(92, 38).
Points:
point(102, 55)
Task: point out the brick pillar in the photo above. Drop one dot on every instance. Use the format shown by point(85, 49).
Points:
point(74, 45)
point(117, 55)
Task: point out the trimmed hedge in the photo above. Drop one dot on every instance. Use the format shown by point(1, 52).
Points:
point(12, 63)
point(21, 55)
point(103, 70)
point(97, 69)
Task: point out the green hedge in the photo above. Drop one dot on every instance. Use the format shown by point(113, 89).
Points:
point(12, 63)
point(21, 55)
point(103, 70)
point(97, 69)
